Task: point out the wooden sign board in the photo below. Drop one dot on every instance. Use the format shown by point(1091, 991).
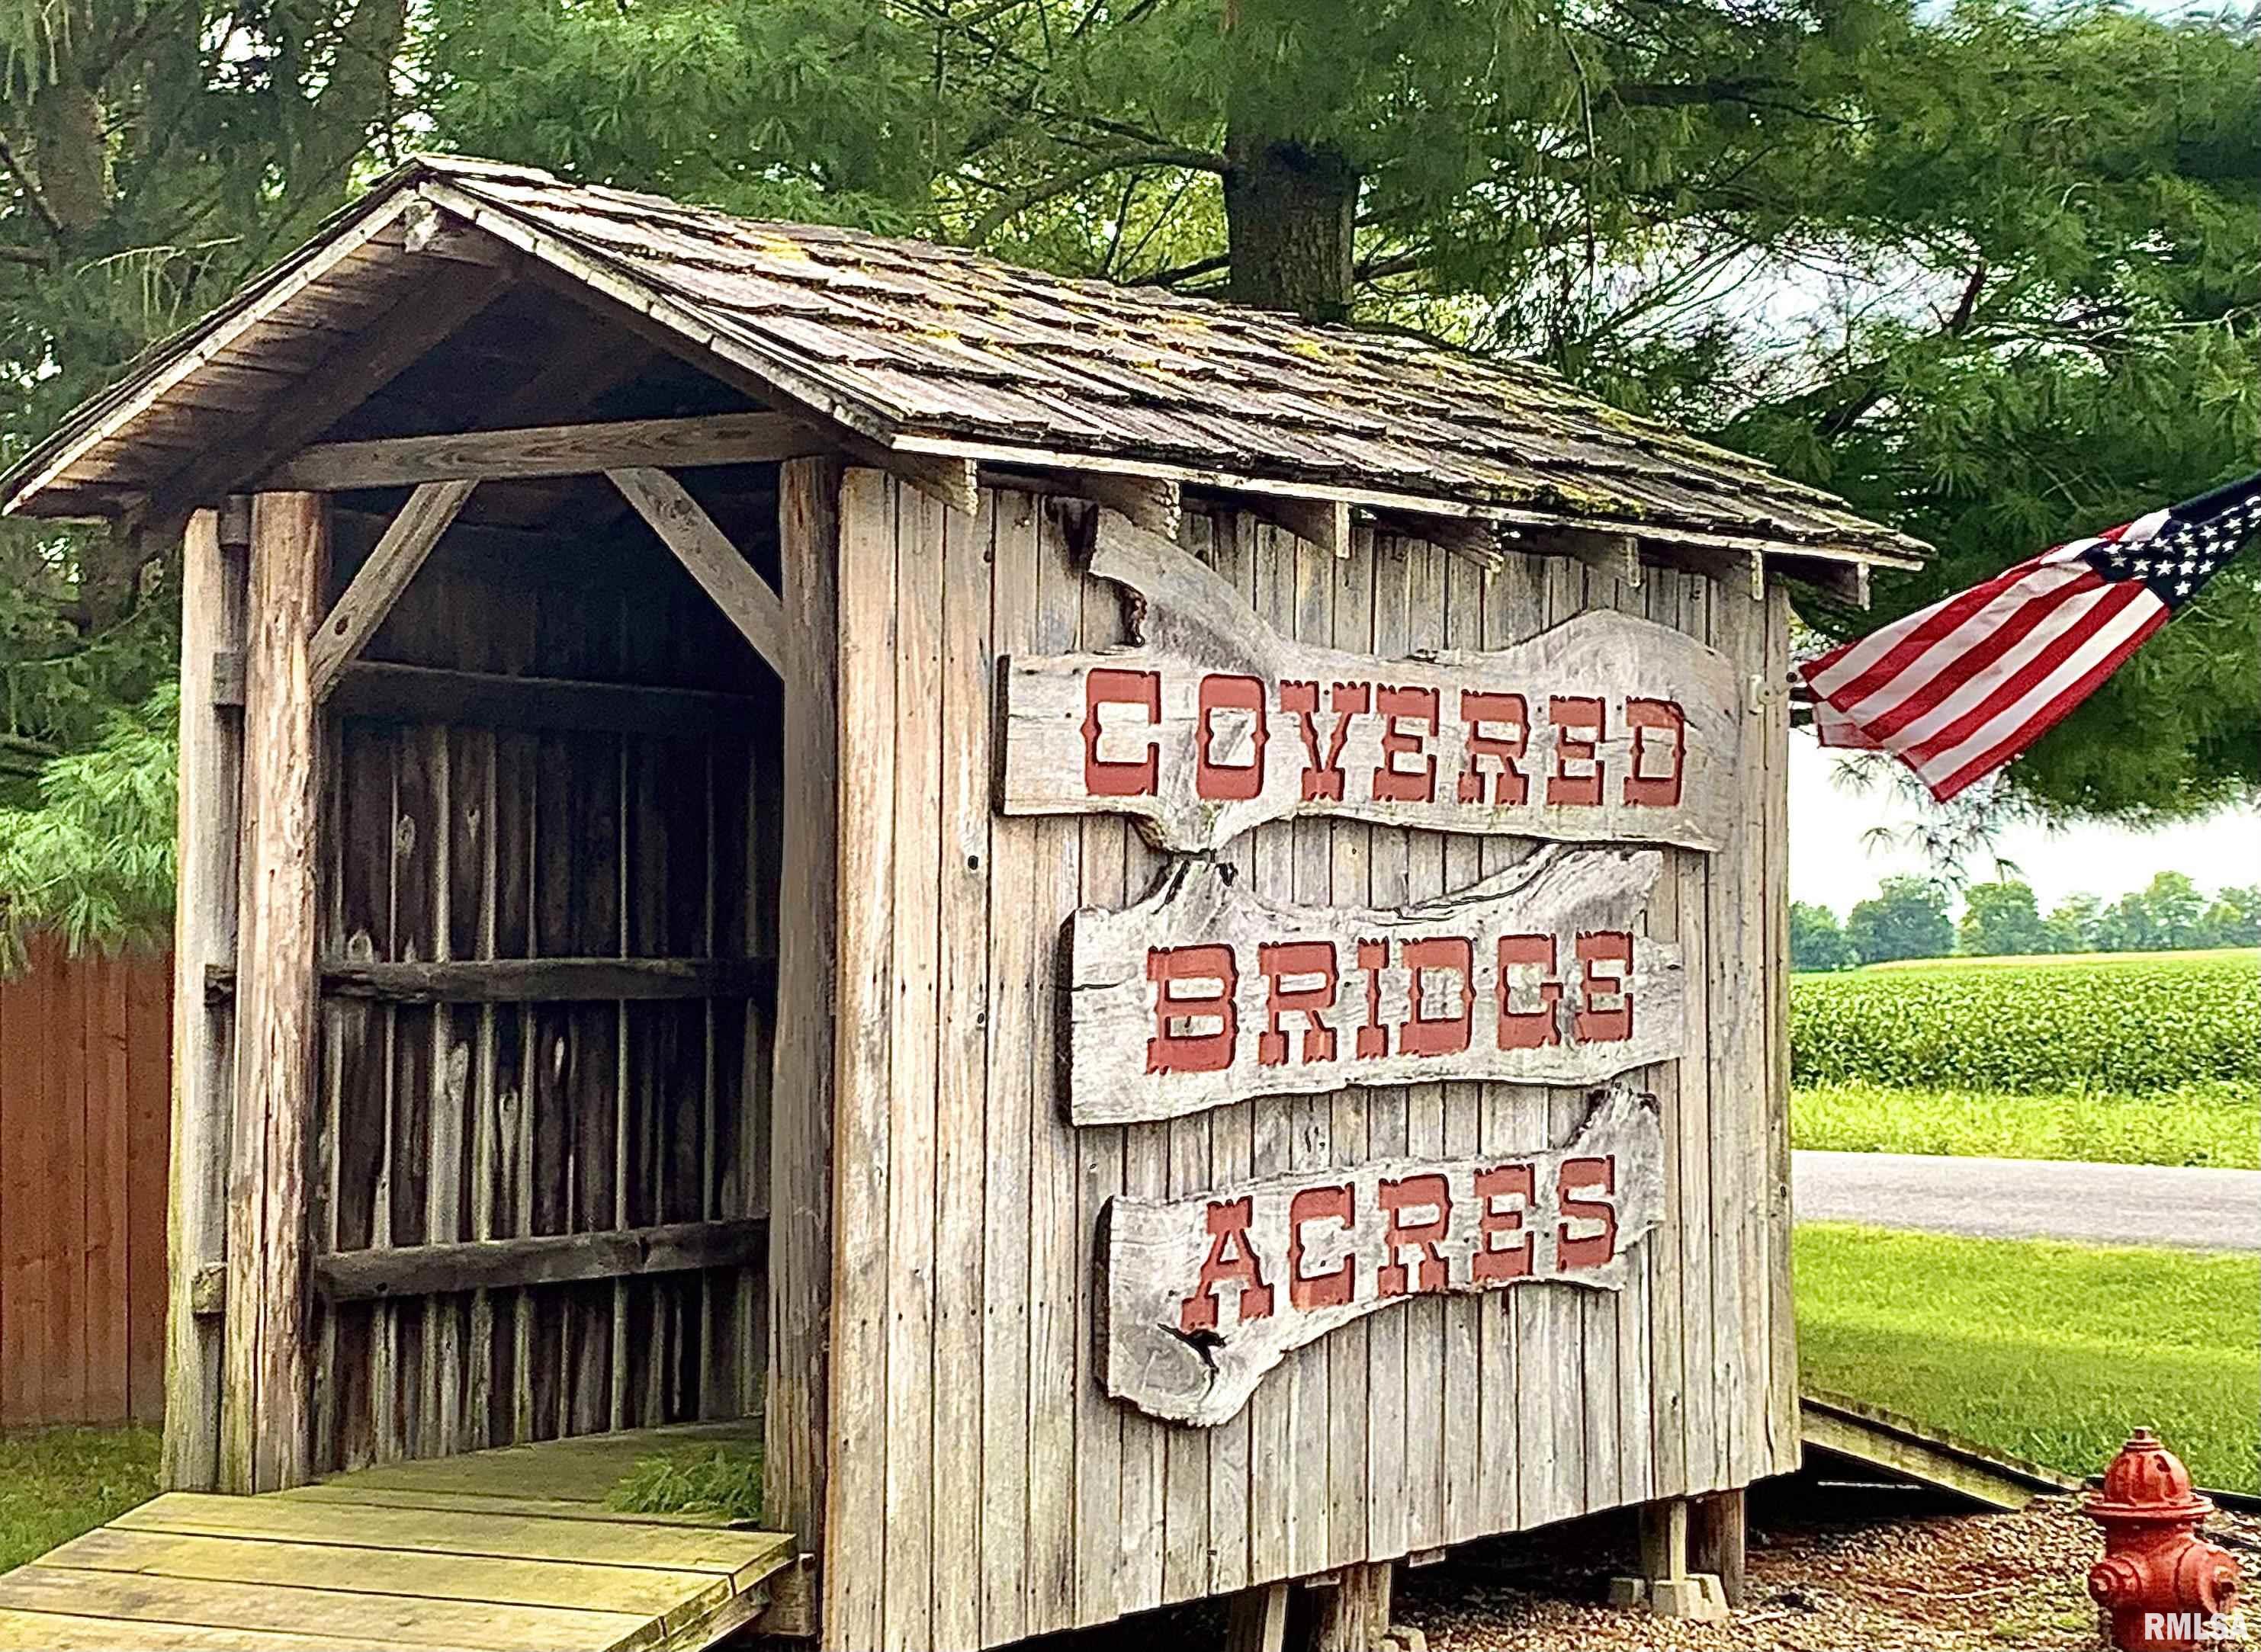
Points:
point(1205, 1294)
point(1606, 728)
point(1203, 993)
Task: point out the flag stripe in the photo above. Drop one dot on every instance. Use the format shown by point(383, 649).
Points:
point(1947, 749)
point(1956, 660)
point(2034, 654)
point(1858, 668)
point(2143, 619)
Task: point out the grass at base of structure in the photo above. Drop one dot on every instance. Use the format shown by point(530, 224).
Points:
point(2049, 1351)
point(724, 1481)
point(2210, 1124)
point(58, 1483)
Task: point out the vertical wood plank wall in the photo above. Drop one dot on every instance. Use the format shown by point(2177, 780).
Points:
point(84, 1072)
point(459, 1121)
point(981, 1485)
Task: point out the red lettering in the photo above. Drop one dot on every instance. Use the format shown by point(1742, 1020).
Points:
point(1588, 1250)
point(1614, 1024)
point(1283, 958)
point(1400, 707)
point(1323, 776)
point(1119, 777)
point(1528, 1029)
point(1668, 722)
point(1445, 1035)
point(1414, 1192)
point(1176, 1046)
point(1328, 1290)
point(1493, 1260)
point(1231, 1259)
point(1373, 1037)
point(1584, 714)
point(1230, 781)
point(1480, 711)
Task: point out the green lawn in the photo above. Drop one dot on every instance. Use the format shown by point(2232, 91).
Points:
point(2053, 1352)
point(2214, 1123)
point(57, 1482)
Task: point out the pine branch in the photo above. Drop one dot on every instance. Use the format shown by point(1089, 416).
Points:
point(1158, 155)
point(40, 210)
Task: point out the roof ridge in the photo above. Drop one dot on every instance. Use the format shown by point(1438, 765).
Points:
point(478, 167)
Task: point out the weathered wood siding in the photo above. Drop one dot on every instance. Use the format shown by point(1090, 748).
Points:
point(84, 1054)
point(982, 1487)
point(462, 840)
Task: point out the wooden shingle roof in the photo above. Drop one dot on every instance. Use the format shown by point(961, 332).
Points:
point(930, 350)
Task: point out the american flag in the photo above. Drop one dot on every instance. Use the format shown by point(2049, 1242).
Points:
point(1958, 689)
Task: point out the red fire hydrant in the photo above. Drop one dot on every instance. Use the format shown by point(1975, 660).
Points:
point(2168, 1589)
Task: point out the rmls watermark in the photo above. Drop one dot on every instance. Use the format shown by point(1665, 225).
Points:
point(2202, 1628)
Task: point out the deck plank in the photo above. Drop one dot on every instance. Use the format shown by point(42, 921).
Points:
point(583, 1469)
point(264, 1609)
point(500, 1503)
point(715, 1549)
point(504, 1550)
point(75, 1632)
point(673, 1596)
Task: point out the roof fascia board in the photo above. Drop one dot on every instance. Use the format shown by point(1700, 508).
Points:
point(229, 330)
point(1412, 505)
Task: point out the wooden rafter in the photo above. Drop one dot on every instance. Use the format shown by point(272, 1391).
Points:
point(547, 450)
point(357, 614)
point(709, 557)
point(1847, 582)
point(1611, 555)
point(1156, 503)
point(348, 377)
point(1325, 523)
point(1477, 539)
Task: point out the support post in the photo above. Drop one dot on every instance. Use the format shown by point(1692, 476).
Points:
point(204, 934)
point(1716, 1540)
point(1352, 1614)
point(266, 1440)
point(1666, 1585)
point(801, 1141)
point(1257, 1621)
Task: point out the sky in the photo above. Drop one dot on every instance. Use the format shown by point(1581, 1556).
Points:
point(1829, 864)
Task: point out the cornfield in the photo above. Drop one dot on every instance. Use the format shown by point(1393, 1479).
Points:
point(2132, 1023)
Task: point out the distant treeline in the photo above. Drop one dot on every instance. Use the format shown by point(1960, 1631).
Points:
point(1907, 919)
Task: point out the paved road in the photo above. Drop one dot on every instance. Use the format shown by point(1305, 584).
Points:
point(2032, 1198)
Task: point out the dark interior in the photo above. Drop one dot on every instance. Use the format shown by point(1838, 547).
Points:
point(580, 760)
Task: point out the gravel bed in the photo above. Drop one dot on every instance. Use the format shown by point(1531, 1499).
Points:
point(1925, 1582)
point(1832, 1569)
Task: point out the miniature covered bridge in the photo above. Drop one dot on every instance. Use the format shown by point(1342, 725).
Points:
point(1148, 938)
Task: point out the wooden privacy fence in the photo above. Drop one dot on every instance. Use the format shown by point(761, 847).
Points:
point(84, 1086)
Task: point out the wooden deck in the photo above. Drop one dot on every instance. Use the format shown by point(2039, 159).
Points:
point(507, 1551)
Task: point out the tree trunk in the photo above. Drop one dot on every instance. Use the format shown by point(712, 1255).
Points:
point(1289, 207)
point(72, 155)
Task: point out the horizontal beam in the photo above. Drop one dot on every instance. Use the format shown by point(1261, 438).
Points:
point(533, 980)
point(424, 694)
point(549, 450)
point(549, 1259)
